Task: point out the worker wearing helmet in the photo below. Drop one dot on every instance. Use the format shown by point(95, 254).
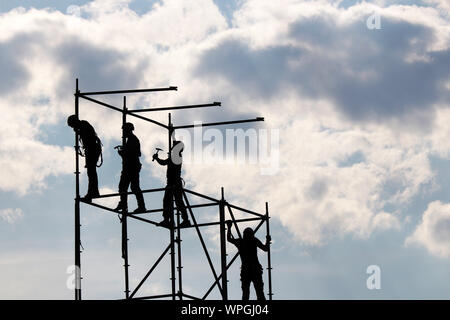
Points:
point(174, 187)
point(131, 167)
point(251, 269)
point(92, 149)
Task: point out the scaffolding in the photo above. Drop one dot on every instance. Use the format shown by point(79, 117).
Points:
point(174, 247)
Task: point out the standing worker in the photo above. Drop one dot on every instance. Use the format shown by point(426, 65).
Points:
point(92, 149)
point(174, 187)
point(131, 166)
point(251, 269)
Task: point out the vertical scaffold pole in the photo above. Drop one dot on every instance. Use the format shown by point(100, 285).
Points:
point(178, 240)
point(77, 205)
point(223, 247)
point(269, 262)
point(179, 267)
point(125, 212)
point(172, 227)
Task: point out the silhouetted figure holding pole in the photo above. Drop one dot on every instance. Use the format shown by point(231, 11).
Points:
point(92, 149)
point(131, 166)
point(174, 187)
point(251, 269)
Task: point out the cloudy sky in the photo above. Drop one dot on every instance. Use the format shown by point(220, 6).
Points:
point(356, 99)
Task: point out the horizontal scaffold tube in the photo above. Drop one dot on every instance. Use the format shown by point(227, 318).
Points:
point(129, 91)
point(214, 104)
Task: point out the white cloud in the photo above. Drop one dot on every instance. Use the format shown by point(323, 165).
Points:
point(433, 233)
point(321, 191)
point(110, 202)
point(444, 5)
point(50, 49)
point(11, 215)
point(330, 183)
point(276, 60)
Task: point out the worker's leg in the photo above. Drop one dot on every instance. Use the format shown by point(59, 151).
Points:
point(259, 286)
point(123, 187)
point(92, 181)
point(91, 168)
point(178, 194)
point(168, 204)
point(137, 190)
point(245, 285)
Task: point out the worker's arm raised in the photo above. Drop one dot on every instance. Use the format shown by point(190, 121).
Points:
point(266, 246)
point(230, 237)
point(162, 162)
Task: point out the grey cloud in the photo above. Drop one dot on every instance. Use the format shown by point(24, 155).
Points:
point(441, 230)
point(364, 72)
point(97, 68)
point(260, 72)
point(317, 190)
point(12, 54)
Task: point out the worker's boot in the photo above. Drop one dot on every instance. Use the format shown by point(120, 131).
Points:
point(141, 204)
point(90, 195)
point(140, 209)
point(166, 223)
point(87, 198)
point(185, 223)
point(93, 193)
point(121, 207)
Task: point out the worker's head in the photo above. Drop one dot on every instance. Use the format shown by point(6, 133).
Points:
point(73, 121)
point(175, 152)
point(178, 145)
point(248, 234)
point(128, 128)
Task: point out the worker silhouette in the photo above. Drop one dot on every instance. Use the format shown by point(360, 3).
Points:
point(251, 269)
point(131, 166)
point(92, 150)
point(174, 187)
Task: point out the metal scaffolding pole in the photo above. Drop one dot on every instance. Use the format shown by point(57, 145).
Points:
point(178, 240)
point(219, 123)
point(129, 91)
point(234, 221)
point(125, 211)
point(179, 267)
point(150, 271)
point(119, 110)
point(269, 262)
point(172, 228)
point(223, 247)
point(194, 221)
point(193, 106)
point(77, 204)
